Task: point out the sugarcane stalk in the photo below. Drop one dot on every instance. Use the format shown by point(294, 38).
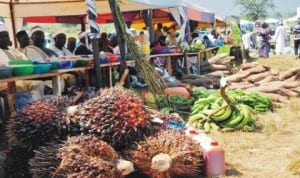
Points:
point(152, 78)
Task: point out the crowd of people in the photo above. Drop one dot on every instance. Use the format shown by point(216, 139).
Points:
point(261, 39)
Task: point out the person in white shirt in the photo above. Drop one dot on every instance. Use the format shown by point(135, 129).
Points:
point(38, 52)
point(6, 54)
point(58, 47)
point(246, 40)
point(279, 38)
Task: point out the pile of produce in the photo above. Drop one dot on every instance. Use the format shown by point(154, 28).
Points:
point(80, 156)
point(169, 153)
point(117, 116)
point(211, 71)
point(213, 112)
point(265, 81)
point(38, 122)
point(218, 65)
point(196, 46)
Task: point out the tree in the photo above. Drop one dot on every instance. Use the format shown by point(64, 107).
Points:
point(255, 9)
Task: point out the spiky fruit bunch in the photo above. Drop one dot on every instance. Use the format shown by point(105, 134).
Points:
point(38, 122)
point(116, 116)
point(183, 157)
point(80, 156)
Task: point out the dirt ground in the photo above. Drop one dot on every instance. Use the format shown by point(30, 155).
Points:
point(266, 152)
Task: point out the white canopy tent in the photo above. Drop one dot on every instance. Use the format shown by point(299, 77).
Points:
point(271, 20)
point(245, 22)
point(292, 19)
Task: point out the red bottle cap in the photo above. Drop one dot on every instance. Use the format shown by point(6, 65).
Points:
point(214, 143)
point(193, 132)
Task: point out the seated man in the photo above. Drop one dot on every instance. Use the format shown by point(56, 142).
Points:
point(6, 54)
point(38, 52)
point(71, 44)
point(59, 44)
point(82, 48)
point(23, 40)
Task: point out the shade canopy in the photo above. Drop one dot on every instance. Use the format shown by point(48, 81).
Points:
point(13, 11)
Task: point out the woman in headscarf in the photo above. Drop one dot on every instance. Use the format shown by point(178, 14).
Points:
point(264, 44)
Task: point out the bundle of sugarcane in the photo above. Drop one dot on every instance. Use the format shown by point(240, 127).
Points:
point(152, 78)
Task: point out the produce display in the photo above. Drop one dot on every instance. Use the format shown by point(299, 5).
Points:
point(38, 122)
point(196, 46)
point(266, 81)
point(169, 153)
point(211, 71)
point(80, 156)
point(212, 112)
point(117, 116)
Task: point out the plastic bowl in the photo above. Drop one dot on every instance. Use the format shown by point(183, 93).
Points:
point(41, 68)
point(161, 51)
point(66, 64)
point(19, 62)
point(22, 70)
point(113, 58)
point(81, 63)
point(103, 60)
point(5, 72)
point(54, 65)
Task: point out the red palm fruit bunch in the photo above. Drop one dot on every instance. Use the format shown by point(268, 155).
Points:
point(169, 153)
point(79, 156)
point(117, 116)
point(38, 122)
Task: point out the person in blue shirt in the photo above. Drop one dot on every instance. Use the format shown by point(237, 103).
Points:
point(207, 42)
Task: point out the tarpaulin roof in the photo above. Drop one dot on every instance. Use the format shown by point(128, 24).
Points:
point(14, 11)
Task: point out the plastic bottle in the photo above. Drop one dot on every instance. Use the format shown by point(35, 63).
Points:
point(214, 160)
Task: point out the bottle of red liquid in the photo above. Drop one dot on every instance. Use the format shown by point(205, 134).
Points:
point(215, 160)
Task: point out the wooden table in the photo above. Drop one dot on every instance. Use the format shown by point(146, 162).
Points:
point(56, 84)
point(111, 65)
point(54, 74)
point(169, 59)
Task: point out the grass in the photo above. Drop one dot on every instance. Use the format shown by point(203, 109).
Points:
point(274, 145)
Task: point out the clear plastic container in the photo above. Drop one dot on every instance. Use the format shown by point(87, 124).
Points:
point(214, 157)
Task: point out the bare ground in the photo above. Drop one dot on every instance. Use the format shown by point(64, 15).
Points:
point(266, 152)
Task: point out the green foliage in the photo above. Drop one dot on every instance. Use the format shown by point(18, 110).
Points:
point(255, 9)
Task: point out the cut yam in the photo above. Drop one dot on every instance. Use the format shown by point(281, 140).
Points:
point(269, 78)
point(289, 73)
point(257, 77)
point(177, 91)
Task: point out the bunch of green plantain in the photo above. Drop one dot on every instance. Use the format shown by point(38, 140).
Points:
point(212, 113)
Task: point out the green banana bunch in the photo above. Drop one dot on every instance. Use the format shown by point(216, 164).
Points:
point(247, 112)
point(222, 115)
point(234, 119)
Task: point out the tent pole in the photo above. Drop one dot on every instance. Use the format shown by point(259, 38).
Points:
point(92, 14)
point(13, 23)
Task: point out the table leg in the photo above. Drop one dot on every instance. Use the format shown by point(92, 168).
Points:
point(87, 78)
point(56, 85)
point(169, 65)
point(11, 87)
point(185, 63)
point(110, 75)
point(199, 60)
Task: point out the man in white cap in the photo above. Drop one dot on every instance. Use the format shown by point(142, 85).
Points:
point(83, 49)
point(279, 38)
point(38, 52)
point(58, 47)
